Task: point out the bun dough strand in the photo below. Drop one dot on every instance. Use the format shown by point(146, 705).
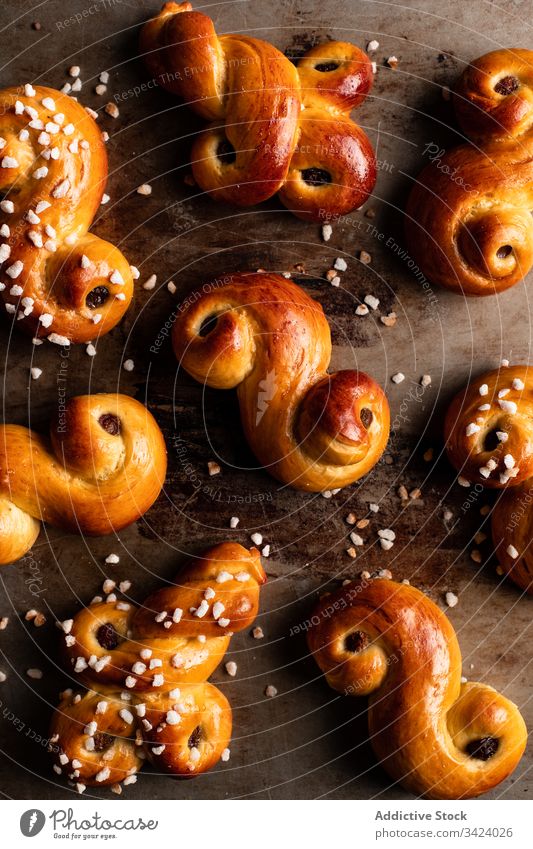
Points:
point(263, 336)
point(440, 738)
point(57, 280)
point(273, 127)
point(101, 469)
point(160, 656)
point(468, 218)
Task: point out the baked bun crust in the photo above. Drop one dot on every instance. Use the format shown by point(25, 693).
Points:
point(273, 127)
point(271, 342)
point(57, 279)
point(160, 656)
point(468, 218)
point(102, 467)
point(440, 738)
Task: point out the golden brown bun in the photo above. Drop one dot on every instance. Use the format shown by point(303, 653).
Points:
point(440, 738)
point(272, 343)
point(113, 647)
point(500, 453)
point(512, 534)
point(282, 128)
point(468, 223)
point(72, 286)
point(101, 469)
point(114, 749)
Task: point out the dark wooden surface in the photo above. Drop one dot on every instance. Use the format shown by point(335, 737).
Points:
point(307, 742)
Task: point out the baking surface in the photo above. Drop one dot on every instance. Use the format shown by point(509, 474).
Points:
point(306, 742)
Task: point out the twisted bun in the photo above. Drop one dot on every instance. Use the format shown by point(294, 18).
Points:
point(489, 428)
point(103, 467)
point(271, 342)
point(57, 279)
point(274, 127)
point(160, 655)
point(468, 222)
point(438, 737)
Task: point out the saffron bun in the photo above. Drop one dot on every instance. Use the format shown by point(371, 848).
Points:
point(57, 280)
point(489, 428)
point(272, 127)
point(161, 655)
point(101, 468)
point(468, 217)
point(439, 737)
point(263, 336)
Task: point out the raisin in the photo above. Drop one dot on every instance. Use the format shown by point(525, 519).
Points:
point(491, 441)
point(356, 641)
point(195, 738)
point(324, 67)
point(97, 297)
point(208, 324)
point(366, 416)
point(102, 741)
point(316, 176)
point(483, 749)
point(504, 251)
point(226, 151)
point(506, 85)
point(107, 636)
point(110, 423)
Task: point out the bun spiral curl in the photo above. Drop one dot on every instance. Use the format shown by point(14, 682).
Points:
point(439, 738)
point(273, 127)
point(101, 469)
point(489, 428)
point(263, 336)
point(56, 279)
point(146, 669)
point(468, 221)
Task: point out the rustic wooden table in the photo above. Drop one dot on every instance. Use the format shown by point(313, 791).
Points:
point(306, 742)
